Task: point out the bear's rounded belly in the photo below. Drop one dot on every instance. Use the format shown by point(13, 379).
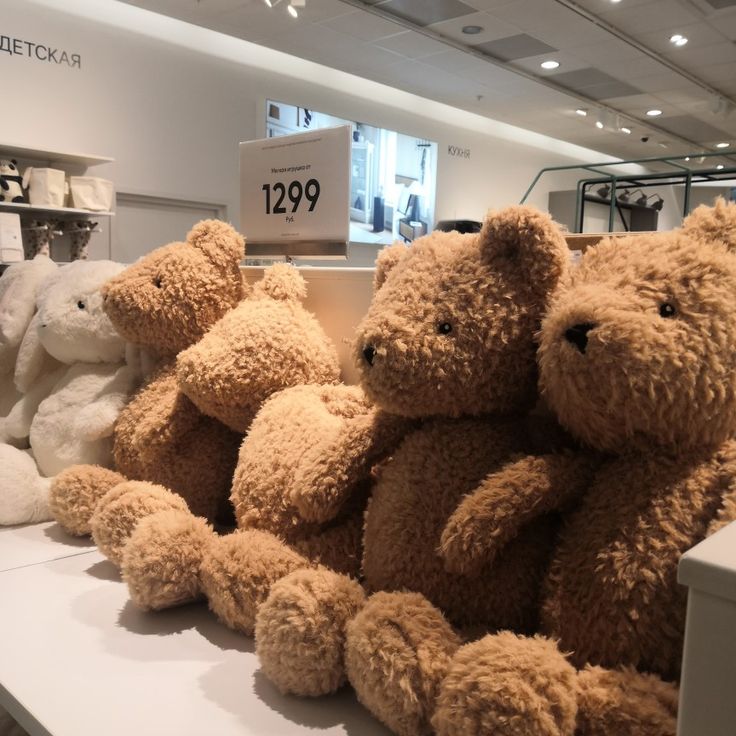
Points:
point(414, 497)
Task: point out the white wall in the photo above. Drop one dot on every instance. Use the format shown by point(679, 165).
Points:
point(171, 101)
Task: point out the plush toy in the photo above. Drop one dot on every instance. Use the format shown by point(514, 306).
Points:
point(79, 232)
point(447, 356)
point(11, 189)
point(164, 303)
point(19, 286)
point(265, 344)
point(73, 408)
point(38, 237)
point(636, 360)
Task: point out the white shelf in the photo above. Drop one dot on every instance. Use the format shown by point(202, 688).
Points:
point(23, 208)
point(52, 156)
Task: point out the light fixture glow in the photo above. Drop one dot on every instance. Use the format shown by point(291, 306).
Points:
point(678, 39)
point(581, 111)
point(615, 1)
point(719, 167)
point(687, 158)
point(269, 3)
point(598, 124)
point(551, 64)
point(625, 130)
point(722, 145)
point(653, 113)
point(292, 11)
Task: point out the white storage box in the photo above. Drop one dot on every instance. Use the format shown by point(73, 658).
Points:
point(46, 187)
point(91, 193)
point(11, 239)
point(708, 683)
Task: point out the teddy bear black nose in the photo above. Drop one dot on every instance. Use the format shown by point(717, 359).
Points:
point(369, 353)
point(578, 335)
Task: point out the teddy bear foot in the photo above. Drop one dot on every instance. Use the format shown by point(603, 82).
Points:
point(300, 630)
point(120, 510)
point(162, 558)
point(238, 571)
point(75, 493)
point(397, 653)
point(625, 702)
point(504, 684)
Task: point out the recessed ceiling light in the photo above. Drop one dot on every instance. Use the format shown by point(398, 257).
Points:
point(663, 144)
point(653, 113)
point(292, 11)
point(678, 39)
point(687, 158)
point(722, 145)
point(472, 30)
point(598, 124)
point(551, 64)
point(720, 166)
point(625, 130)
point(615, 1)
point(269, 3)
point(581, 111)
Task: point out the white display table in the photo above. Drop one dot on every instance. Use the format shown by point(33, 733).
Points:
point(78, 659)
point(708, 686)
point(35, 543)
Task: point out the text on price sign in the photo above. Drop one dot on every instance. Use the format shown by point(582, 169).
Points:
point(295, 191)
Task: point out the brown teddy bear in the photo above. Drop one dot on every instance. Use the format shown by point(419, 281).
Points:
point(636, 360)
point(164, 303)
point(269, 342)
point(448, 345)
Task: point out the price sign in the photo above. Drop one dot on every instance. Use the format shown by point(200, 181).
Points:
point(295, 193)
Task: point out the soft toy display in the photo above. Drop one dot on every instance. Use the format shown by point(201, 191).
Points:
point(11, 189)
point(267, 343)
point(636, 360)
point(68, 413)
point(79, 232)
point(165, 303)
point(38, 235)
point(19, 286)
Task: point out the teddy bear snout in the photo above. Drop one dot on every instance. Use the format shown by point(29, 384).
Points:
point(577, 335)
point(369, 353)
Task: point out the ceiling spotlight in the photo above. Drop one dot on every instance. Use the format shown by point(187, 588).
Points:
point(663, 144)
point(472, 30)
point(722, 145)
point(654, 112)
point(625, 130)
point(581, 111)
point(603, 191)
point(551, 64)
point(687, 158)
point(599, 124)
point(292, 11)
point(678, 39)
point(627, 195)
point(719, 167)
point(615, 1)
point(658, 204)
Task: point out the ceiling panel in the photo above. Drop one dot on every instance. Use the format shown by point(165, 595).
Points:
point(660, 15)
point(426, 12)
point(493, 28)
point(411, 44)
point(365, 26)
point(691, 127)
point(515, 47)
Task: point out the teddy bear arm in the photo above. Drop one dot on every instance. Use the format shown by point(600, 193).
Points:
point(18, 422)
point(492, 515)
point(330, 471)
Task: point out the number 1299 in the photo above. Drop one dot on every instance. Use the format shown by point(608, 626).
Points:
point(295, 192)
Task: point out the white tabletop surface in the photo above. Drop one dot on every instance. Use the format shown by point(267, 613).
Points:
point(78, 659)
point(34, 543)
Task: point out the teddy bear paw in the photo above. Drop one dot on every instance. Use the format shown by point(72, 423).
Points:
point(507, 684)
point(300, 630)
point(162, 558)
point(120, 510)
point(75, 493)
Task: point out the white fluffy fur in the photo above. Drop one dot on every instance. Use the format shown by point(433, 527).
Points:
point(19, 286)
point(69, 412)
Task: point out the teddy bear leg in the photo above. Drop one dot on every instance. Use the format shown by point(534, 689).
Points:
point(300, 630)
point(398, 650)
point(238, 571)
point(162, 558)
point(625, 702)
point(120, 510)
point(75, 493)
point(511, 685)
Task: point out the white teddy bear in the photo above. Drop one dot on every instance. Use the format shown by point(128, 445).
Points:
point(19, 287)
point(69, 413)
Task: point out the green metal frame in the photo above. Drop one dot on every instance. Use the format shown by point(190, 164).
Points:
point(682, 174)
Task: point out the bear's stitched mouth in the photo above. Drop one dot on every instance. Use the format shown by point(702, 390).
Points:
point(577, 335)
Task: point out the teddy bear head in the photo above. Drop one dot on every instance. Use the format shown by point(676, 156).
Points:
point(70, 321)
point(450, 330)
point(173, 295)
point(9, 167)
point(638, 348)
point(267, 343)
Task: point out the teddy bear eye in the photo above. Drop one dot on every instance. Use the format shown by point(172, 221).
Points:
point(81, 305)
point(667, 310)
point(157, 282)
point(444, 328)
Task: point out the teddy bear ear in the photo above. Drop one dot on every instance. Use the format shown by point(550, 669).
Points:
point(387, 258)
point(219, 241)
point(283, 282)
point(530, 241)
point(713, 223)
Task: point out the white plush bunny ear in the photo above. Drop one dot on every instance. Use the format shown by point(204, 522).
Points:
point(33, 360)
point(27, 176)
